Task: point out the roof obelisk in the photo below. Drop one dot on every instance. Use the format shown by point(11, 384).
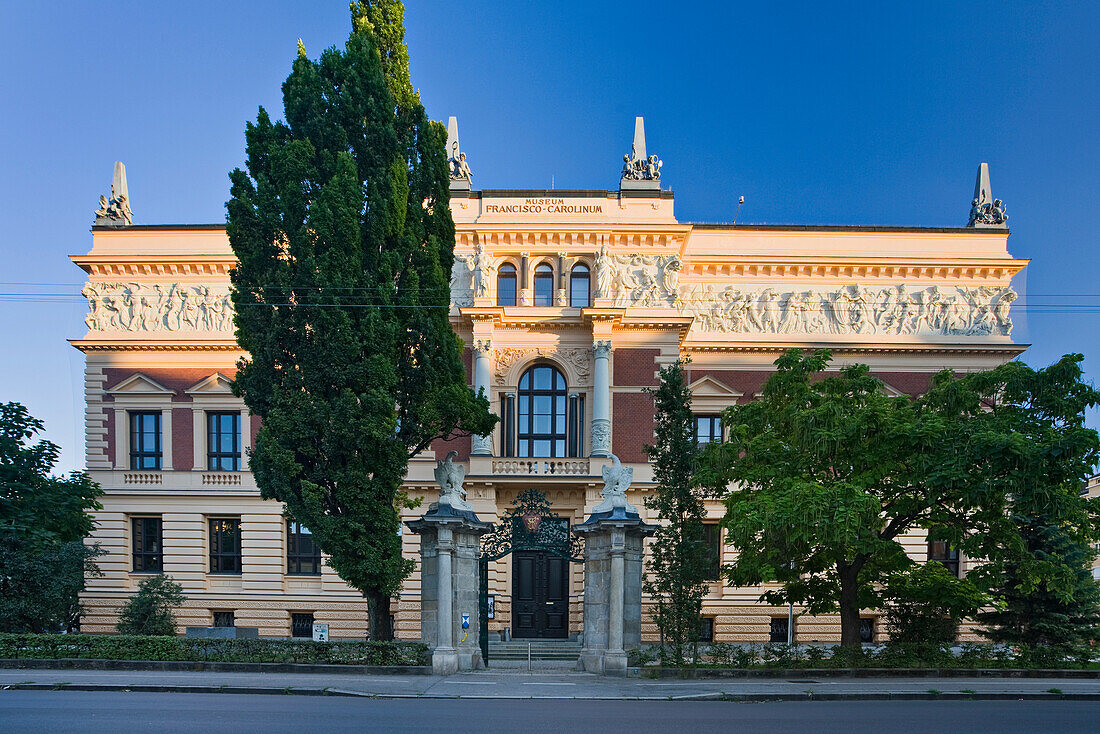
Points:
point(640, 171)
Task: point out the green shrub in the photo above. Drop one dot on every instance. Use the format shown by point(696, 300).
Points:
point(150, 610)
point(258, 650)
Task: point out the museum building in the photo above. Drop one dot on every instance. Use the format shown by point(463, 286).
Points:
point(569, 303)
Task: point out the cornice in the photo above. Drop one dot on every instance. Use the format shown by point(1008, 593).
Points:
point(99, 345)
point(154, 265)
point(734, 266)
point(1006, 350)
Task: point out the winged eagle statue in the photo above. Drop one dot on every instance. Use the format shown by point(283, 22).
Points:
point(616, 480)
point(450, 476)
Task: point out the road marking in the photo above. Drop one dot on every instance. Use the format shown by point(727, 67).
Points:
point(549, 684)
point(474, 682)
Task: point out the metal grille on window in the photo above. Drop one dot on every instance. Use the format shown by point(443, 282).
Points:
point(223, 441)
point(225, 545)
point(224, 619)
point(303, 557)
point(145, 445)
point(706, 634)
point(866, 629)
point(778, 630)
point(148, 551)
point(301, 625)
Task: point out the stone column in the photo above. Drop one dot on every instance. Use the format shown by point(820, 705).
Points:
point(449, 585)
point(613, 549)
point(601, 400)
point(482, 445)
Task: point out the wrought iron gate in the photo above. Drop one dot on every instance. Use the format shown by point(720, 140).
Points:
point(528, 525)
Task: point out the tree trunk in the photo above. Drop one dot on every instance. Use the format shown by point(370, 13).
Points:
point(378, 610)
point(849, 606)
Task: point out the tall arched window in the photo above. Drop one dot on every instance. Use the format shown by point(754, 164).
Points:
point(579, 286)
point(506, 285)
point(542, 413)
point(544, 285)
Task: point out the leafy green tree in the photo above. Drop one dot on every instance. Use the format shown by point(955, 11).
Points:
point(679, 559)
point(345, 242)
point(151, 611)
point(1026, 441)
point(43, 522)
point(830, 473)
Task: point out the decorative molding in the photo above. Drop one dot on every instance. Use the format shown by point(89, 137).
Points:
point(852, 309)
point(151, 307)
point(577, 360)
point(640, 280)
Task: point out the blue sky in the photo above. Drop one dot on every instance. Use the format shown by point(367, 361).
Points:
point(826, 113)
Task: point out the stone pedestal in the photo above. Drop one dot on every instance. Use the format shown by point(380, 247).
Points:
point(613, 550)
point(449, 579)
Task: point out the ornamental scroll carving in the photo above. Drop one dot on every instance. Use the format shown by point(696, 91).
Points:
point(579, 360)
point(852, 309)
point(157, 307)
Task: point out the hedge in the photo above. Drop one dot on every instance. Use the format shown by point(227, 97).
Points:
point(141, 647)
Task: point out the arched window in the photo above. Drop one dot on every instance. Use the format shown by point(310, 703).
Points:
point(579, 286)
point(544, 285)
point(542, 413)
point(506, 285)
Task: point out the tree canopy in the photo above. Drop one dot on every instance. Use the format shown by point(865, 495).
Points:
point(345, 244)
point(829, 473)
point(43, 522)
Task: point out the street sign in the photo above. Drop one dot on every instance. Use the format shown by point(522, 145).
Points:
point(320, 631)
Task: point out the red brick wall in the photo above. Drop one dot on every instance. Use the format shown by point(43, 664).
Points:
point(183, 439)
point(910, 383)
point(461, 444)
point(254, 428)
point(631, 425)
point(173, 379)
point(635, 367)
point(748, 382)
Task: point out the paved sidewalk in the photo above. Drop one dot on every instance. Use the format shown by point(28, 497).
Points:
point(511, 683)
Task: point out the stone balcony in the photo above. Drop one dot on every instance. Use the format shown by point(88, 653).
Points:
point(175, 481)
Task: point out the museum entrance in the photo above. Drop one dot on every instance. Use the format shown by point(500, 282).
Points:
point(540, 595)
point(542, 546)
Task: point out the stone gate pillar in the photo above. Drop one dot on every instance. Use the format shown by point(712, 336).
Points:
point(614, 544)
point(450, 535)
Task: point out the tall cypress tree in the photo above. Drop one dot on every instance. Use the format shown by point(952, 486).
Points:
point(345, 243)
point(679, 557)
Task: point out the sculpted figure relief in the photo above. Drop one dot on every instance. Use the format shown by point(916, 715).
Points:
point(646, 280)
point(852, 309)
point(157, 307)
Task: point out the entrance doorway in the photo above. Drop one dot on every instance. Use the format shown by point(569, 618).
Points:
point(540, 595)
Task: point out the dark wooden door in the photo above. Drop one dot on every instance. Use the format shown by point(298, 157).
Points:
point(540, 595)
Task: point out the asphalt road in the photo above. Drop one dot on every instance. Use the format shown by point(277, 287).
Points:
point(58, 712)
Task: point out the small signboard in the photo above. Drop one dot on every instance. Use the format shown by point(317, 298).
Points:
point(320, 631)
point(465, 621)
point(492, 606)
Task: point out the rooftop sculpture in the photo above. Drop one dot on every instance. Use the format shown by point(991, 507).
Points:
point(640, 171)
point(456, 159)
point(115, 212)
point(985, 211)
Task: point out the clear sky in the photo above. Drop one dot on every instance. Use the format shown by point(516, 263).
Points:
point(818, 113)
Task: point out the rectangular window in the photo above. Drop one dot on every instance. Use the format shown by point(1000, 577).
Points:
point(712, 537)
point(941, 552)
point(706, 634)
point(866, 629)
point(225, 545)
point(301, 625)
point(708, 428)
point(223, 441)
point(145, 447)
point(303, 557)
point(148, 551)
point(508, 424)
point(224, 619)
point(778, 630)
point(576, 425)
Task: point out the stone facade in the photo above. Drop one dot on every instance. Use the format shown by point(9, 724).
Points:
point(906, 301)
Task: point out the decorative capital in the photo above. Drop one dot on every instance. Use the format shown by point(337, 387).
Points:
point(602, 348)
point(482, 346)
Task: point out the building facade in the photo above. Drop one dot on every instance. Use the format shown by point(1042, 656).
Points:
point(569, 303)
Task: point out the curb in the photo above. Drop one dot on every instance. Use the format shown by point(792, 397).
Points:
point(728, 697)
point(198, 666)
point(743, 673)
